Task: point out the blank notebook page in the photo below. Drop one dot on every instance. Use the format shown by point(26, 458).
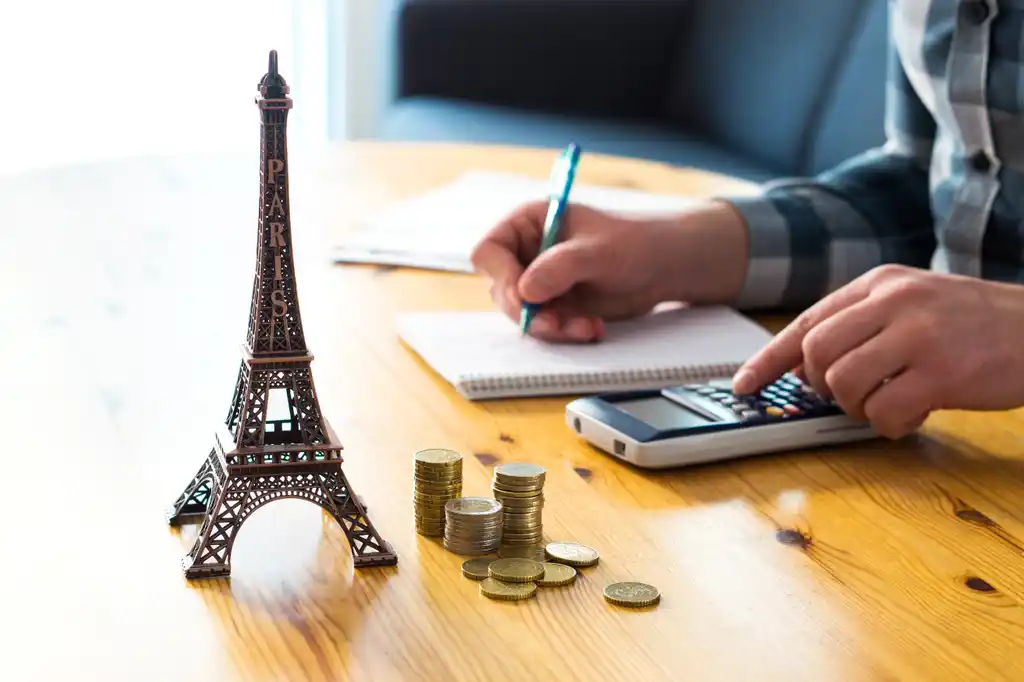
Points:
point(482, 354)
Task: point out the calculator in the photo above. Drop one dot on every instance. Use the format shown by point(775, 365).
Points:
point(705, 422)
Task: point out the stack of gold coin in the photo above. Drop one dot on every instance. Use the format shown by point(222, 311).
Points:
point(472, 525)
point(437, 478)
point(519, 487)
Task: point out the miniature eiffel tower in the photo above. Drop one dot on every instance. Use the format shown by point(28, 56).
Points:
point(256, 460)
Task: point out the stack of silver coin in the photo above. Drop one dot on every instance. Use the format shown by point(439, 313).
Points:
point(472, 525)
point(519, 486)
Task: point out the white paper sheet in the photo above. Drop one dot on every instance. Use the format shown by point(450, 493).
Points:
point(438, 229)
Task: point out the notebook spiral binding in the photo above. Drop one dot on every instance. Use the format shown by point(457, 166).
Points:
point(481, 385)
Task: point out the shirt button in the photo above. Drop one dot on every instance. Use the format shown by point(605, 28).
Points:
point(980, 162)
point(975, 11)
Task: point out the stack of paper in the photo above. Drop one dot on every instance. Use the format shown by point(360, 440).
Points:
point(439, 229)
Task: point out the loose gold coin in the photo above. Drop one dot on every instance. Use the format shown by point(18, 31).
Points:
point(556, 575)
point(496, 589)
point(516, 570)
point(476, 569)
point(636, 595)
point(572, 553)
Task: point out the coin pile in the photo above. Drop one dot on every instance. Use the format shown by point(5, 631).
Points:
point(472, 525)
point(437, 478)
point(519, 487)
point(513, 579)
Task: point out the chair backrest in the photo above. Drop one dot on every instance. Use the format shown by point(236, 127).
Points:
point(797, 84)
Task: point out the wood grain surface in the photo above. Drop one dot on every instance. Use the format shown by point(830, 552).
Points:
point(125, 296)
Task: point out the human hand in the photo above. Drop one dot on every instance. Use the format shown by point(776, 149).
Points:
point(898, 343)
point(607, 266)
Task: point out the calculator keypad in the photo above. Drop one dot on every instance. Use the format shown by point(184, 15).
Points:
point(785, 399)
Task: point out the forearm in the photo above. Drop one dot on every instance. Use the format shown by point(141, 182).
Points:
point(808, 238)
point(798, 240)
point(700, 255)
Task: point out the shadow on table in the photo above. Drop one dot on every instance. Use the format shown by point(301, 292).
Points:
point(291, 603)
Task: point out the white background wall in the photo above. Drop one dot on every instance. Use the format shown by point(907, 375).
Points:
point(361, 62)
point(97, 79)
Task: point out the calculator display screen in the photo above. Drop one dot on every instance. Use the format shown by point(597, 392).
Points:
point(662, 413)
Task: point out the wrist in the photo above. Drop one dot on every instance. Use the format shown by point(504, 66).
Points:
point(703, 256)
point(998, 364)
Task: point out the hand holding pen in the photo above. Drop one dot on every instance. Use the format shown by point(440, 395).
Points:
point(575, 267)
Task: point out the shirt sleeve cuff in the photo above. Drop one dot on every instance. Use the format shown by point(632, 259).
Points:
point(769, 252)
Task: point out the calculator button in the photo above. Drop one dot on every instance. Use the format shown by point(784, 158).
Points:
point(791, 409)
point(750, 415)
point(740, 408)
point(706, 390)
point(718, 395)
point(726, 400)
point(774, 411)
point(780, 402)
point(693, 387)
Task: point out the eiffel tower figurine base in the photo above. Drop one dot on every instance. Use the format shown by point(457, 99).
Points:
point(222, 496)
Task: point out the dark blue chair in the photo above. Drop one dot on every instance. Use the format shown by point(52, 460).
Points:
point(752, 88)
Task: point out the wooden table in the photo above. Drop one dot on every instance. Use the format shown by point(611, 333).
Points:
point(125, 296)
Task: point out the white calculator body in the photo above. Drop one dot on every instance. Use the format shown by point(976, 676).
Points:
point(698, 423)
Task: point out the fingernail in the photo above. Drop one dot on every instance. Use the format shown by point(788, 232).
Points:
point(578, 329)
point(742, 381)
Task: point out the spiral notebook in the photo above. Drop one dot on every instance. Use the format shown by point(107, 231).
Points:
point(483, 355)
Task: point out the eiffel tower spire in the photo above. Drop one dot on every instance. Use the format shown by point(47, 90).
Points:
point(275, 322)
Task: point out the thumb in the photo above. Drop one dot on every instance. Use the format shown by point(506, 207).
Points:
point(556, 271)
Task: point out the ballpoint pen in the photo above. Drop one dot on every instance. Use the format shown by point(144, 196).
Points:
point(562, 175)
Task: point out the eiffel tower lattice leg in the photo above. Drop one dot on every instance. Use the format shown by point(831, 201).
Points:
point(242, 494)
point(193, 503)
point(210, 556)
point(368, 547)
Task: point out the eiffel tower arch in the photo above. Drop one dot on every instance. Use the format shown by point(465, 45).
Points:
point(257, 459)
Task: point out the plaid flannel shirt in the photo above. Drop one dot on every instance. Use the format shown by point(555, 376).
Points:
point(946, 190)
